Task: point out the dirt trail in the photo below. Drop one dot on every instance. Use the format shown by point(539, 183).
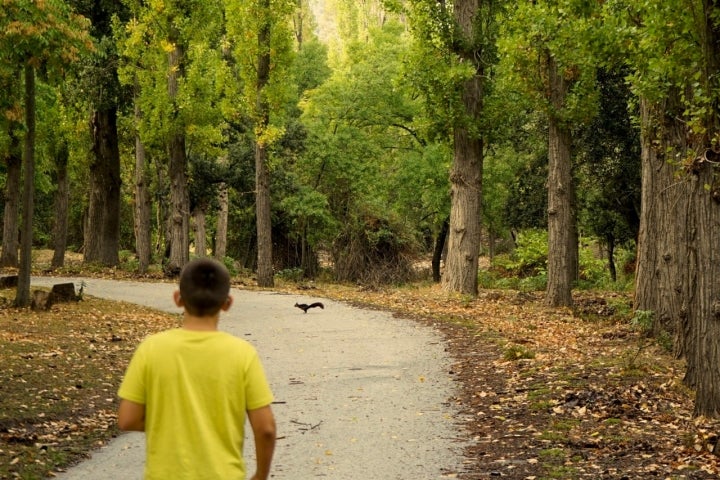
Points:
point(359, 394)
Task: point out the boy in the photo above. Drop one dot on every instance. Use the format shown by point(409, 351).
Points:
point(189, 389)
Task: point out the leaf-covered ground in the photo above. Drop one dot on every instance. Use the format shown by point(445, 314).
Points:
point(557, 393)
point(59, 375)
point(542, 393)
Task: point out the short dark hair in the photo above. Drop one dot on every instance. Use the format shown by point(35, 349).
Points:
point(204, 286)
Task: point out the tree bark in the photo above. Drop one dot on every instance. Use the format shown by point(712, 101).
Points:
point(143, 202)
point(662, 263)
point(704, 277)
point(62, 199)
point(13, 164)
point(222, 222)
point(200, 232)
point(102, 233)
point(461, 265)
point(562, 230)
point(262, 173)
point(179, 199)
point(22, 297)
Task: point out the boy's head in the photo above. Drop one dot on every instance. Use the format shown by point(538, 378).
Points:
point(204, 287)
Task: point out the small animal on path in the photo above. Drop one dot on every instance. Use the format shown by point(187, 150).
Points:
point(304, 306)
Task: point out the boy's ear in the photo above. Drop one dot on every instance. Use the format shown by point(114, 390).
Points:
point(228, 303)
point(178, 299)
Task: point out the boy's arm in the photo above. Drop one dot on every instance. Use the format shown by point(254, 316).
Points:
point(262, 422)
point(131, 416)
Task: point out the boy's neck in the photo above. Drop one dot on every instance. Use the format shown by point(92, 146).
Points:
point(200, 324)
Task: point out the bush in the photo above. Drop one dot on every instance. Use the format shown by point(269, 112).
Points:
point(374, 251)
point(529, 257)
point(526, 267)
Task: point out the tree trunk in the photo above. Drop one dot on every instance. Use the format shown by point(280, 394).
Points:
point(562, 231)
point(704, 280)
point(62, 199)
point(703, 332)
point(179, 200)
point(102, 233)
point(438, 250)
point(222, 222)
point(461, 265)
point(200, 233)
point(263, 220)
point(660, 279)
point(610, 239)
point(262, 173)
point(143, 202)
point(13, 163)
point(22, 297)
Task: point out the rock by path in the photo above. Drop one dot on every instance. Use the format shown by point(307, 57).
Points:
point(359, 394)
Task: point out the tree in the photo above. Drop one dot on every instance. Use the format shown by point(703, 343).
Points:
point(609, 166)
point(262, 63)
point(143, 200)
point(99, 81)
point(675, 69)
point(371, 184)
point(62, 198)
point(36, 35)
point(460, 42)
point(262, 172)
point(466, 172)
point(11, 121)
point(550, 47)
point(172, 57)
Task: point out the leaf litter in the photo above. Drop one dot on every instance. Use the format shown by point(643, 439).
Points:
point(61, 370)
point(560, 393)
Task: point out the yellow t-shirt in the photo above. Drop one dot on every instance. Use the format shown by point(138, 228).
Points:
point(196, 388)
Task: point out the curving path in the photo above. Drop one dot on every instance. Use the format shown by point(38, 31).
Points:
point(359, 394)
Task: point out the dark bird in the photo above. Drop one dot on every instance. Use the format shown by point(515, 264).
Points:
point(304, 306)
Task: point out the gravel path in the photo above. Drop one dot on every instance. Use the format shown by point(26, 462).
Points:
point(360, 395)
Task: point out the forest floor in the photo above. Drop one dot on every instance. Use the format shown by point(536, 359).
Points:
point(542, 393)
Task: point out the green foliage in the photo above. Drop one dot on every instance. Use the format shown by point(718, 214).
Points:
point(230, 264)
point(567, 32)
point(530, 255)
point(291, 274)
point(517, 352)
point(525, 269)
point(642, 321)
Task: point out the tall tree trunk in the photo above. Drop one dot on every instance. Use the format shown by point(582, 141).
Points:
point(200, 232)
point(562, 230)
point(143, 202)
point(179, 200)
point(662, 265)
point(461, 266)
point(704, 280)
point(13, 164)
point(222, 222)
point(62, 199)
point(102, 233)
point(262, 173)
point(22, 297)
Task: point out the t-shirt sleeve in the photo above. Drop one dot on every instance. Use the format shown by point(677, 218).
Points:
point(133, 385)
point(257, 389)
